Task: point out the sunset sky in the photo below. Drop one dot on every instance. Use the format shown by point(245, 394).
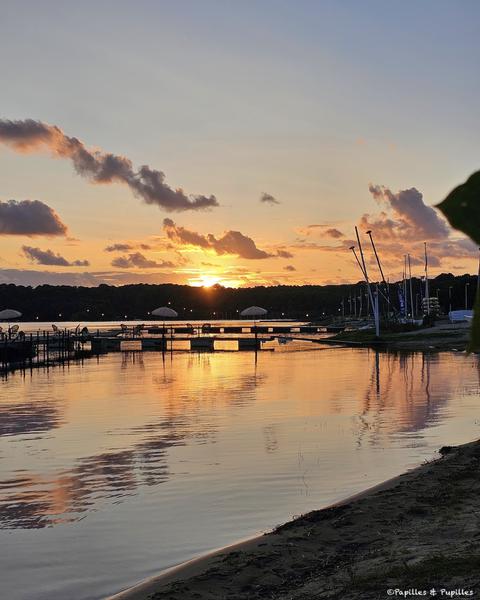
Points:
point(232, 142)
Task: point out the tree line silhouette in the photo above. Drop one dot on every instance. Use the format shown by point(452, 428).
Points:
point(311, 302)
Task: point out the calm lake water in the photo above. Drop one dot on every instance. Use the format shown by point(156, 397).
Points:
point(116, 468)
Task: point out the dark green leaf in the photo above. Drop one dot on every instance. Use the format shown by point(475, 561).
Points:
point(474, 345)
point(462, 207)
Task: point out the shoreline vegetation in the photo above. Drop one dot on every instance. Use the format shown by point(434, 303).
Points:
point(419, 530)
point(297, 302)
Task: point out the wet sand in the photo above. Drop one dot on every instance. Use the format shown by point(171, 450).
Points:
point(419, 530)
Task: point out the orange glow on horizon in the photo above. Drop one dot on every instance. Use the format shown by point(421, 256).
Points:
point(208, 280)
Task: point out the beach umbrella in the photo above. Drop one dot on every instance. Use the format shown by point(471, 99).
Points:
point(254, 311)
point(9, 313)
point(165, 312)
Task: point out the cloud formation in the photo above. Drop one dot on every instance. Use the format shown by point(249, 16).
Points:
point(412, 219)
point(231, 242)
point(30, 218)
point(322, 230)
point(289, 268)
point(284, 254)
point(138, 260)
point(334, 233)
point(96, 166)
point(88, 279)
point(404, 224)
point(268, 199)
point(48, 257)
point(126, 246)
point(400, 227)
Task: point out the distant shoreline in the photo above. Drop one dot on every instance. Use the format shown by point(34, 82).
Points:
point(415, 529)
point(300, 302)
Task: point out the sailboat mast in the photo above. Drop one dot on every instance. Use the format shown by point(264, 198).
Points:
point(386, 295)
point(411, 288)
point(364, 267)
point(373, 301)
point(427, 296)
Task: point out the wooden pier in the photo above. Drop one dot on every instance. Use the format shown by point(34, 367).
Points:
point(47, 348)
point(207, 328)
point(39, 349)
point(204, 337)
point(103, 344)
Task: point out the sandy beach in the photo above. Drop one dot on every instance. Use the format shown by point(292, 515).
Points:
point(418, 530)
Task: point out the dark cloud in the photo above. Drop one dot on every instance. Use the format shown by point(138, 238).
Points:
point(119, 248)
point(138, 260)
point(29, 217)
point(100, 167)
point(289, 268)
point(268, 199)
point(126, 246)
point(231, 242)
point(48, 257)
point(284, 254)
point(334, 233)
point(184, 236)
point(322, 230)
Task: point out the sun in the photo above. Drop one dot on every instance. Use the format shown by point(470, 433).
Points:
point(209, 280)
point(206, 280)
